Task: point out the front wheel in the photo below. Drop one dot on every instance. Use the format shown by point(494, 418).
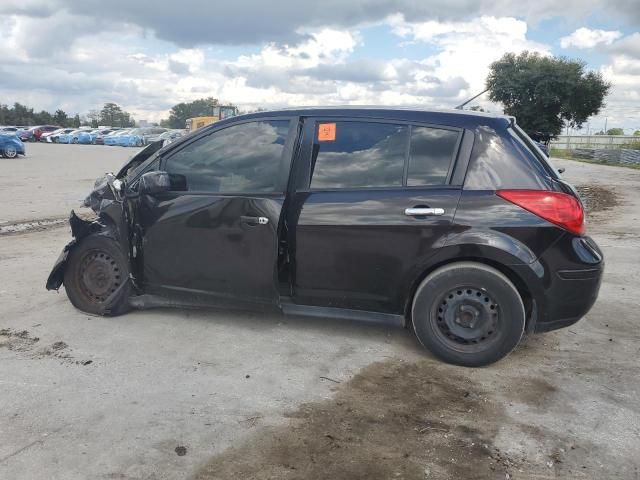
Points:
point(10, 152)
point(97, 277)
point(468, 314)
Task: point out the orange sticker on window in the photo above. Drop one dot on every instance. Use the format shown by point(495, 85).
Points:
point(327, 132)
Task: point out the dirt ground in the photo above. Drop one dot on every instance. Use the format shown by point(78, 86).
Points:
point(170, 394)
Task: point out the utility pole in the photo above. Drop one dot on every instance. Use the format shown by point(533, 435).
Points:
point(605, 125)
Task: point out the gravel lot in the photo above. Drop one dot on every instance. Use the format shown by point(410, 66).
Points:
point(172, 394)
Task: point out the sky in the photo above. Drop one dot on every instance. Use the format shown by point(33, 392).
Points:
point(149, 55)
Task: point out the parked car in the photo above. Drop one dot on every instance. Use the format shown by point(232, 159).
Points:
point(71, 137)
point(451, 223)
point(113, 137)
point(139, 137)
point(543, 148)
point(171, 135)
point(52, 137)
point(10, 145)
point(8, 130)
point(33, 134)
point(87, 137)
point(99, 133)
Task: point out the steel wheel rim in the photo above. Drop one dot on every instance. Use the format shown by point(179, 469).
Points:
point(467, 319)
point(10, 152)
point(99, 276)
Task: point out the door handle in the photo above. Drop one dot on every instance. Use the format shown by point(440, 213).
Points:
point(423, 212)
point(254, 220)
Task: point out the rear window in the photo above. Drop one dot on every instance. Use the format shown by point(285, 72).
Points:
point(525, 141)
point(431, 155)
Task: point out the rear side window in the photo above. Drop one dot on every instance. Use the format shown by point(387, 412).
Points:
point(431, 155)
point(352, 154)
point(358, 154)
point(244, 158)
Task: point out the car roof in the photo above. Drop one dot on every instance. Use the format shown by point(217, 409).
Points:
point(449, 117)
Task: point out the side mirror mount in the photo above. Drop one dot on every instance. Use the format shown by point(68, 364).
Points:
point(152, 183)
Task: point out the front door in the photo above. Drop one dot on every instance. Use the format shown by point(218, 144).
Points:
point(215, 234)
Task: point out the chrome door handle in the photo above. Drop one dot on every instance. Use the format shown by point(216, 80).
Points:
point(254, 220)
point(419, 212)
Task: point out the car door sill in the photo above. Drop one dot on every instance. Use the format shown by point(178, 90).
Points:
point(343, 313)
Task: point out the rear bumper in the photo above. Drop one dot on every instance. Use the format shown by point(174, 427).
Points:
point(568, 281)
point(573, 294)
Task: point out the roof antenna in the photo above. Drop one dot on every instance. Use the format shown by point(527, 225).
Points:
point(461, 106)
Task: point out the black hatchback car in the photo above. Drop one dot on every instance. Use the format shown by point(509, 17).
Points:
point(453, 223)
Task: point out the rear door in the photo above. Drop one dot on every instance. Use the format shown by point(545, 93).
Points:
point(216, 232)
point(374, 199)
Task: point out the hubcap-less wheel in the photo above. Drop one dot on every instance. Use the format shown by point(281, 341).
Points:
point(10, 152)
point(99, 276)
point(467, 317)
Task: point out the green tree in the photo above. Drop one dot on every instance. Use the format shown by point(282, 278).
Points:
point(93, 117)
point(615, 131)
point(546, 93)
point(636, 133)
point(203, 107)
point(61, 118)
point(76, 121)
point(112, 115)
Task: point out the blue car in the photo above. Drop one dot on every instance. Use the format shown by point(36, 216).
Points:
point(71, 137)
point(87, 137)
point(139, 137)
point(11, 146)
point(114, 138)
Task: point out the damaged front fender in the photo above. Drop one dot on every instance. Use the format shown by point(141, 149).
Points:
point(79, 228)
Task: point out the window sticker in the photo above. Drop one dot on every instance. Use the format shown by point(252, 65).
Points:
point(327, 132)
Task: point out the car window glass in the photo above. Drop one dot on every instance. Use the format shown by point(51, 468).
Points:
point(238, 159)
point(358, 154)
point(431, 155)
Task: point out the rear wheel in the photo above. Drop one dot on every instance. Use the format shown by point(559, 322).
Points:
point(74, 140)
point(97, 277)
point(468, 314)
point(10, 152)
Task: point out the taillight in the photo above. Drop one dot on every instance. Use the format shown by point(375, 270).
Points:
point(560, 208)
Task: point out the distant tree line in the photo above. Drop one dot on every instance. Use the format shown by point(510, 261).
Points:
point(111, 114)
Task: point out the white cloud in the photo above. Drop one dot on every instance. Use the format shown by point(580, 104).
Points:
point(467, 49)
point(587, 38)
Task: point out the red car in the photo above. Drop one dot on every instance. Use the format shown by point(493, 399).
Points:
point(33, 134)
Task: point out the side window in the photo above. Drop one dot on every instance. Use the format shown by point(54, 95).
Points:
point(431, 155)
point(358, 154)
point(243, 158)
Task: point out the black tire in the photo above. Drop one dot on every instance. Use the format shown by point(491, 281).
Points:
point(468, 314)
point(96, 278)
point(10, 152)
point(74, 141)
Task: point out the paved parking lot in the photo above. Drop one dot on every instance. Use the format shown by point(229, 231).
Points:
point(168, 394)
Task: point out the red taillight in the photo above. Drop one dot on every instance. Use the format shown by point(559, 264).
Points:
point(560, 208)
